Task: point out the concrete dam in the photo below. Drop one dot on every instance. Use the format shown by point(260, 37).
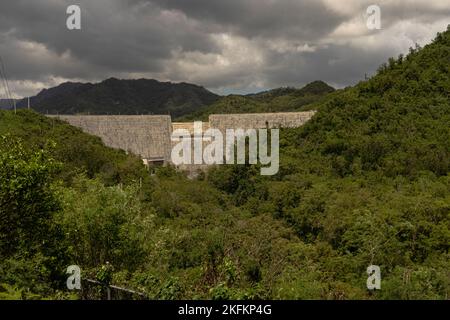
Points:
point(149, 136)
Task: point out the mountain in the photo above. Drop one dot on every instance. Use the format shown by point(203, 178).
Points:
point(275, 100)
point(114, 96)
point(313, 88)
point(6, 104)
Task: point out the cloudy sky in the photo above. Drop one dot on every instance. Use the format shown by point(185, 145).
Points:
point(225, 45)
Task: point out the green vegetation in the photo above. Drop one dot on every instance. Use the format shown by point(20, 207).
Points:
point(366, 181)
point(276, 100)
point(78, 152)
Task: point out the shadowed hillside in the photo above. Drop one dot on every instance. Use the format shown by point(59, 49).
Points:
point(6, 104)
point(114, 96)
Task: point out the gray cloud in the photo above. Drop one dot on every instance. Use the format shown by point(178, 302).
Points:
point(293, 19)
point(227, 46)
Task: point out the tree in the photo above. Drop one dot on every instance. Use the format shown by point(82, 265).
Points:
point(27, 199)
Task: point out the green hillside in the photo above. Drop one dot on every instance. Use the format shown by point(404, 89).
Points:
point(276, 100)
point(365, 182)
point(79, 152)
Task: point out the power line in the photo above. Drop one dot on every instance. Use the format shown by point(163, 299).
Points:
point(3, 82)
point(5, 88)
point(3, 78)
point(6, 84)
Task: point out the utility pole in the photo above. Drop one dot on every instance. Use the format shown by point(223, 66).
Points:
point(28, 103)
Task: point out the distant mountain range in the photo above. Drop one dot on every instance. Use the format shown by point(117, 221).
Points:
point(114, 96)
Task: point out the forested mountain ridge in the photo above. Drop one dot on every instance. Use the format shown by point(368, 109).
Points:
point(313, 88)
point(275, 100)
point(114, 96)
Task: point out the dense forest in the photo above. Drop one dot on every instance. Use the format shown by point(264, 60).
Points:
point(366, 181)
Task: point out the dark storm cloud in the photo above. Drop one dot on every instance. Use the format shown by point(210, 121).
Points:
point(303, 19)
point(114, 38)
point(225, 45)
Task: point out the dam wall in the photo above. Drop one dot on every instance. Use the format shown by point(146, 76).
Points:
point(259, 120)
point(149, 136)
